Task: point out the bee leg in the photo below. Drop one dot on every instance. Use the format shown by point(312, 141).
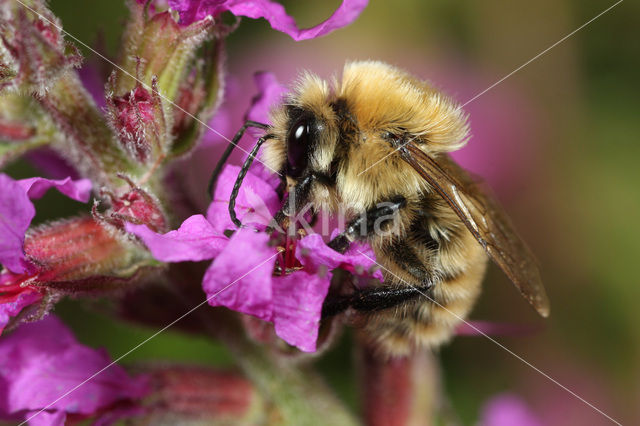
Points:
point(372, 299)
point(366, 224)
point(403, 255)
point(225, 155)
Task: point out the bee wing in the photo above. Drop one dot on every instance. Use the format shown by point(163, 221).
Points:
point(486, 221)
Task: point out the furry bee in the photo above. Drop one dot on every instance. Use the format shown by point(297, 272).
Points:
point(376, 144)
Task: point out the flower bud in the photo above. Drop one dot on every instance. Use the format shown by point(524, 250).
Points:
point(138, 121)
point(33, 53)
point(135, 206)
point(15, 131)
point(81, 255)
point(163, 46)
point(186, 64)
point(198, 98)
point(77, 256)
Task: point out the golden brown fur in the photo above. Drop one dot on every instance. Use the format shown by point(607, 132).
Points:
point(373, 101)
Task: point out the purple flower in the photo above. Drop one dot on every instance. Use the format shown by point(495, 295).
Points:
point(283, 285)
point(195, 10)
point(507, 410)
point(17, 211)
point(42, 361)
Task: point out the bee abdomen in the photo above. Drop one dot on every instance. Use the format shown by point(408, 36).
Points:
point(431, 319)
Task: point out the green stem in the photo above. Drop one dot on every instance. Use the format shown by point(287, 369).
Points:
point(300, 395)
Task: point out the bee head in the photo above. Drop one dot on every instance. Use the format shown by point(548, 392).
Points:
point(305, 130)
point(301, 139)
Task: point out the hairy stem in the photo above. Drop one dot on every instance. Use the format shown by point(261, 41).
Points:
point(399, 391)
point(299, 393)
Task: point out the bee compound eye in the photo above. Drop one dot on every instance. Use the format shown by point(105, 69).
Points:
point(298, 142)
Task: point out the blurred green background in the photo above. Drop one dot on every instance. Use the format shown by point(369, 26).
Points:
point(559, 143)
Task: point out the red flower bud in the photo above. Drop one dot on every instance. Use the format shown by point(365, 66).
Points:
point(135, 206)
point(70, 256)
point(138, 120)
point(79, 255)
point(71, 250)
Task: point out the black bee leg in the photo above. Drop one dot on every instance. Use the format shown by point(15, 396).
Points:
point(401, 253)
point(366, 224)
point(372, 299)
point(225, 155)
point(243, 172)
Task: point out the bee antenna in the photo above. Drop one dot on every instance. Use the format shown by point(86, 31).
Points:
point(240, 178)
point(227, 152)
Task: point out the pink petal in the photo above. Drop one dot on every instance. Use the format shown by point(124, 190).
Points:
point(78, 190)
point(42, 361)
point(297, 308)
point(256, 203)
point(11, 309)
point(17, 212)
point(313, 252)
point(240, 277)
point(194, 10)
point(276, 15)
point(195, 240)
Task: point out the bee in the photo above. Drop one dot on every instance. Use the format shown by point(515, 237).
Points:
point(375, 144)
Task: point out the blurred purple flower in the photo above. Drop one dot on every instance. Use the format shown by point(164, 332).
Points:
point(195, 10)
point(51, 164)
point(17, 211)
point(270, 93)
point(42, 361)
point(508, 410)
point(93, 81)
